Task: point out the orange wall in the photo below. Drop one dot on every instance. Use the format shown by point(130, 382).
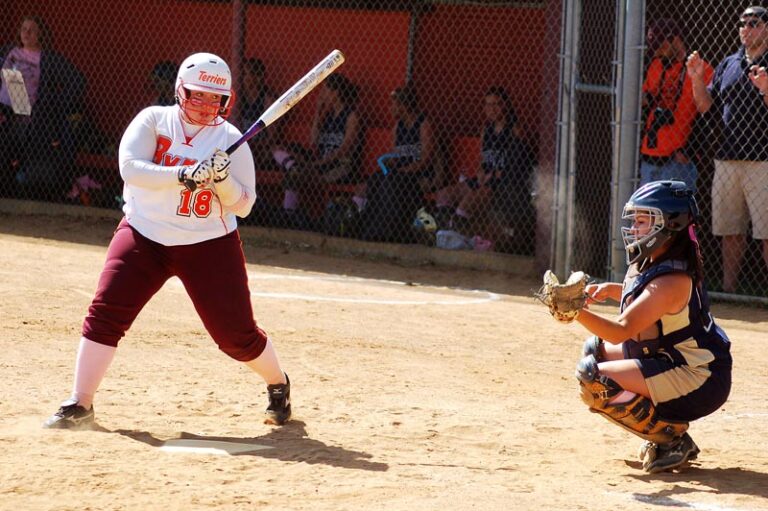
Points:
point(463, 50)
point(460, 51)
point(292, 40)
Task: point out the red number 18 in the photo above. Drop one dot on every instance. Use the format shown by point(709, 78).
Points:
point(197, 202)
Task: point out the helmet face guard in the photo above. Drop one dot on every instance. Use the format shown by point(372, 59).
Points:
point(192, 108)
point(204, 72)
point(654, 214)
point(640, 245)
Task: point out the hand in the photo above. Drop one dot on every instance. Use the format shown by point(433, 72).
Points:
point(200, 173)
point(695, 66)
point(597, 292)
point(759, 78)
point(220, 162)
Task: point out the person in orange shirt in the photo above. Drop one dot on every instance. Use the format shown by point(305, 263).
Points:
point(668, 100)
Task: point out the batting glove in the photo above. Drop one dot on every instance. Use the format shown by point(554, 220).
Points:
point(220, 163)
point(201, 173)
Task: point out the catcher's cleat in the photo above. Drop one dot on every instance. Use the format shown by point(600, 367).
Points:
point(71, 416)
point(647, 452)
point(673, 455)
point(279, 410)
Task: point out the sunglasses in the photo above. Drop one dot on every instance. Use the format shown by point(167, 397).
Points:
point(749, 23)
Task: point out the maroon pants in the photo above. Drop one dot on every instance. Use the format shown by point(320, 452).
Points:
point(213, 273)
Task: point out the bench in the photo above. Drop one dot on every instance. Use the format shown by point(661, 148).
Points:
point(104, 168)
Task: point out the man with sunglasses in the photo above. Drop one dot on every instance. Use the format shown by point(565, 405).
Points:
point(739, 93)
point(669, 106)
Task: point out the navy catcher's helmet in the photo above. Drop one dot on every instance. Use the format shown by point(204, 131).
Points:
point(671, 208)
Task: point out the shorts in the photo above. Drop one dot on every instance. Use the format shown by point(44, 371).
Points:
point(740, 194)
point(685, 393)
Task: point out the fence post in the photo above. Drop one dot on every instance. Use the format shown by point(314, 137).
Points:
point(566, 134)
point(629, 71)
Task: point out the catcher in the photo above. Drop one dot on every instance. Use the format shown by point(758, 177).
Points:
point(663, 361)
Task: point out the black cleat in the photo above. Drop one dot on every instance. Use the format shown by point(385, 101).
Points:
point(71, 416)
point(279, 410)
point(673, 455)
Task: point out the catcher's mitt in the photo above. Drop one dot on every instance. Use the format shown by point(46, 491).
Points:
point(566, 300)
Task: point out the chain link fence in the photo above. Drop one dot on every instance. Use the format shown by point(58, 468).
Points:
point(430, 133)
point(722, 152)
point(486, 126)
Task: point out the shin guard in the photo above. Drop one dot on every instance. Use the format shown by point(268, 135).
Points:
point(638, 415)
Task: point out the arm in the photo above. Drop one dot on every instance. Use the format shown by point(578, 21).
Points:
point(483, 177)
point(759, 78)
point(428, 146)
point(664, 295)
point(603, 292)
point(322, 109)
point(696, 70)
point(137, 148)
point(237, 193)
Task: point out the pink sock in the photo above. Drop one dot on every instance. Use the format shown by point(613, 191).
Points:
point(280, 156)
point(284, 159)
point(290, 200)
point(462, 213)
point(93, 360)
point(360, 202)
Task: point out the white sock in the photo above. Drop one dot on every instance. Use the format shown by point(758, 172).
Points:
point(93, 360)
point(267, 365)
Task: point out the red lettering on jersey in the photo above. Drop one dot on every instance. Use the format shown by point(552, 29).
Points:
point(166, 159)
point(170, 160)
point(163, 144)
point(214, 79)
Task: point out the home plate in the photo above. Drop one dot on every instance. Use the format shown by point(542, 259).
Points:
point(210, 446)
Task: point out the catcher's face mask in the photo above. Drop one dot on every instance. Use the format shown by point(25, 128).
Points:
point(642, 231)
point(654, 213)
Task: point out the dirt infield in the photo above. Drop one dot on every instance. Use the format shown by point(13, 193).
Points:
point(415, 388)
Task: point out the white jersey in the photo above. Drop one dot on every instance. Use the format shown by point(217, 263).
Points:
point(153, 149)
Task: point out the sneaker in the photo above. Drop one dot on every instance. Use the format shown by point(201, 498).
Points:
point(279, 410)
point(71, 416)
point(673, 455)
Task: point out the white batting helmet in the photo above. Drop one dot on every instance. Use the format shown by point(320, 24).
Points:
point(205, 72)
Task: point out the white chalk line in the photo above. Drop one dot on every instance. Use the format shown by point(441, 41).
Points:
point(476, 296)
point(481, 296)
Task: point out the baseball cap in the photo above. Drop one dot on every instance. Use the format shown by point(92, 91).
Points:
point(660, 30)
point(755, 11)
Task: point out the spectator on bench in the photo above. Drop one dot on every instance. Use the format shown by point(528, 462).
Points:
point(37, 151)
point(256, 96)
point(336, 146)
point(502, 180)
point(388, 200)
